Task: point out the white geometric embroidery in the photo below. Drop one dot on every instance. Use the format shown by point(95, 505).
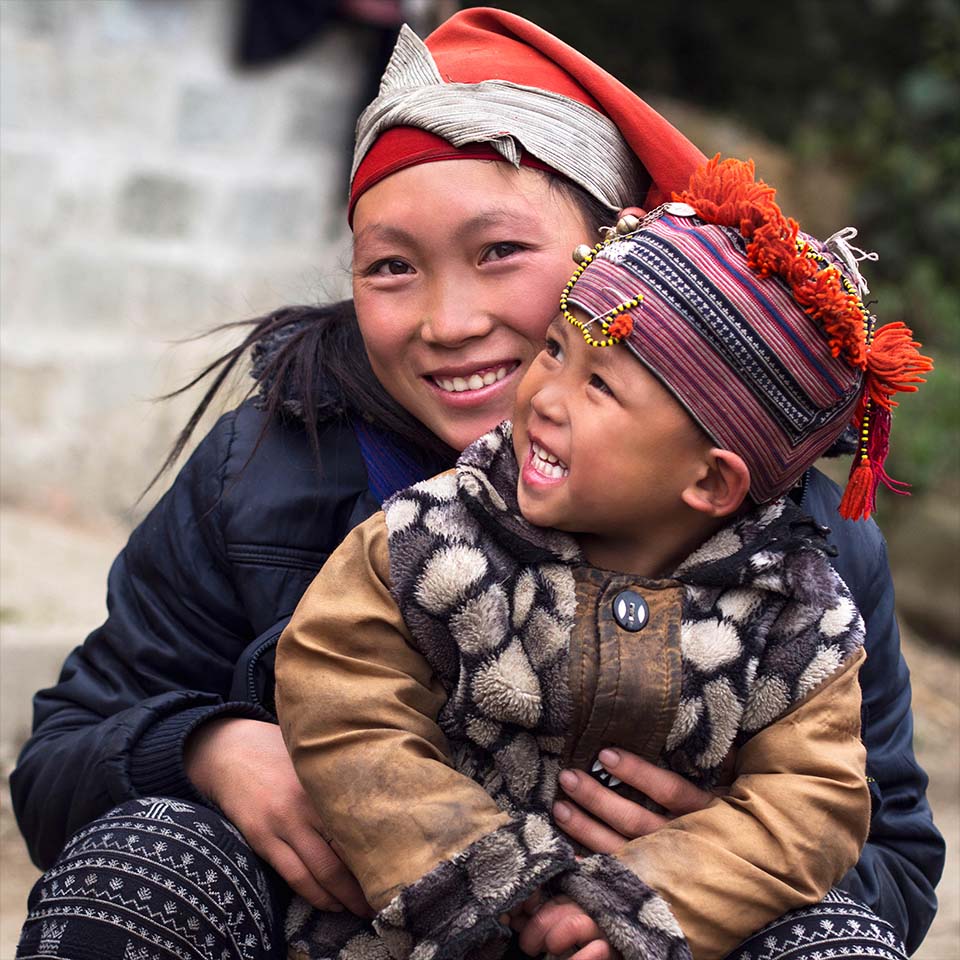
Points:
point(50, 936)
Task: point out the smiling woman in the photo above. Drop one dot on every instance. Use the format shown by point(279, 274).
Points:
point(493, 150)
point(453, 305)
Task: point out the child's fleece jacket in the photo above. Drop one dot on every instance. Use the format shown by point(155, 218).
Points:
point(450, 659)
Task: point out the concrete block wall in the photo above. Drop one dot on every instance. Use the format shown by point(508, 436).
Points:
point(149, 191)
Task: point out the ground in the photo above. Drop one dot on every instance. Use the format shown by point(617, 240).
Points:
point(53, 575)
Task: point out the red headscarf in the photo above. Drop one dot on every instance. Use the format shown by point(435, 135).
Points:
point(486, 44)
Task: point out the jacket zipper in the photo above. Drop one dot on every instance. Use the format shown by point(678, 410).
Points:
point(271, 641)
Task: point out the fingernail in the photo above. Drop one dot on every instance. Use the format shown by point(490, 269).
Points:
point(561, 812)
point(568, 780)
point(608, 757)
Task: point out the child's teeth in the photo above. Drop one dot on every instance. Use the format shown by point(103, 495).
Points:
point(501, 373)
point(459, 384)
point(475, 382)
point(548, 464)
point(489, 377)
point(447, 385)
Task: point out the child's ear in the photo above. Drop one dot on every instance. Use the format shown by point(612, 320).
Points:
point(724, 486)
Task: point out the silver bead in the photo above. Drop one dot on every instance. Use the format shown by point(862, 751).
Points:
point(582, 252)
point(627, 224)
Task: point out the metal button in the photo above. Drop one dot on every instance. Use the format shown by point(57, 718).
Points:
point(679, 209)
point(630, 610)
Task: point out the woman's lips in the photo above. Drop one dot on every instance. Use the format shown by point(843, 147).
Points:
point(475, 379)
point(461, 387)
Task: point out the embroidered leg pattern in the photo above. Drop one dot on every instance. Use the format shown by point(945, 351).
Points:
point(153, 879)
point(837, 928)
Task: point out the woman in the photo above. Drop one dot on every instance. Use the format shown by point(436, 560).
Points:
point(166, 709)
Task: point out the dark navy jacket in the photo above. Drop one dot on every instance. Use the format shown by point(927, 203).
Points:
point(207, 581)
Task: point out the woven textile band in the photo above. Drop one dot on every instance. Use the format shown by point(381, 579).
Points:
point(570, 137)
point(753, 370)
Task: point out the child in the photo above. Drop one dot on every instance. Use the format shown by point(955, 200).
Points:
point(619, 566)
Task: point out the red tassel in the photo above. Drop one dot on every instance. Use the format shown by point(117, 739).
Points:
point(859, 498)
point(877, 449)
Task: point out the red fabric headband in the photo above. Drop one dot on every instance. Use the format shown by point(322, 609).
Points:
point(404, 147)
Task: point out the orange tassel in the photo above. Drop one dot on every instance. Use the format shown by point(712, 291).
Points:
point(894, 364)
point(860, 496)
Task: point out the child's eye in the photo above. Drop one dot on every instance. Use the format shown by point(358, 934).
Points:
point(598, 384)
point(552, 348)
point(500, 251)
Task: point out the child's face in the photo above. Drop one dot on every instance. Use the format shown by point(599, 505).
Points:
point(604, 449)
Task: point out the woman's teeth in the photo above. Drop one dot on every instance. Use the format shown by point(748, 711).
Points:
point(548, 464)
point(474, 382)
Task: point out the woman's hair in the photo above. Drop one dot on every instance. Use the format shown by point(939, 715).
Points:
point(310, 364)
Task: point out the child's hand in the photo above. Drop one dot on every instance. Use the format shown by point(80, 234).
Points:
point(558, 926)
point(519, 916)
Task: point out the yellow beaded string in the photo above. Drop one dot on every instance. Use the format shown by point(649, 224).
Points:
point(607, 319)
point(869, 324)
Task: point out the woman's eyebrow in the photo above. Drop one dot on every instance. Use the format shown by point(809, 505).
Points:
point(390, 233)
point(484, 220)
point(382, 232)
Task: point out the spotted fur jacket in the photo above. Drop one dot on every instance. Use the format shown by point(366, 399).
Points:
point(451, 658)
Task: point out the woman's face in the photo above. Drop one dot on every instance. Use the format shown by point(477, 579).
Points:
point(457, 271)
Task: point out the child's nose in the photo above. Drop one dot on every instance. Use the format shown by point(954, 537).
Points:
point(547, 402)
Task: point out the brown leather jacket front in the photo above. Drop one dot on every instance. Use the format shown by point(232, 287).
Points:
point(358, 706)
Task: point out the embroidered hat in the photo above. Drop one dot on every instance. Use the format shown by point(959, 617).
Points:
point(490, 85)
point(757, 329)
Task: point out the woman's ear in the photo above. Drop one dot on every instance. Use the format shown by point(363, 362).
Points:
point(722, 488)
point(632, 212)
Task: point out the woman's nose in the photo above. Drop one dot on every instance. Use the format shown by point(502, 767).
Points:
point(453, 317)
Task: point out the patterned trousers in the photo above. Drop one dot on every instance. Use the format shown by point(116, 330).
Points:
point(155, 879)
point(162, 879)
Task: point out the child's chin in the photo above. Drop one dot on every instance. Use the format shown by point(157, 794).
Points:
point(537, 513)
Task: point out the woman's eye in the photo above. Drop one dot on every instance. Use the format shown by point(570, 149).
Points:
point(500, 251)
point(598, 384)
point(389, 268)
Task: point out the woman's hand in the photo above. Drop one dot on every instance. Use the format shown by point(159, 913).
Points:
point(243, 766)
point(603, 821)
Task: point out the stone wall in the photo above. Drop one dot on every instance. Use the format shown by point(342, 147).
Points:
point(149, 191)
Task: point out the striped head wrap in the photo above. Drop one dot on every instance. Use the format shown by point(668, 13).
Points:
point(758, 330)
point(490, 85)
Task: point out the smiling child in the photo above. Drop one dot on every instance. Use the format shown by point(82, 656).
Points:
point(620, 565)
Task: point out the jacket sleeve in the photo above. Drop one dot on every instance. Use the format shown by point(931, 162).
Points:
point(358, 707)
point(114, 725)
point(760, 850)
point(904, 854)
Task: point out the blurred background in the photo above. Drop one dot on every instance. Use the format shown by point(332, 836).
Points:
point(172, 165)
